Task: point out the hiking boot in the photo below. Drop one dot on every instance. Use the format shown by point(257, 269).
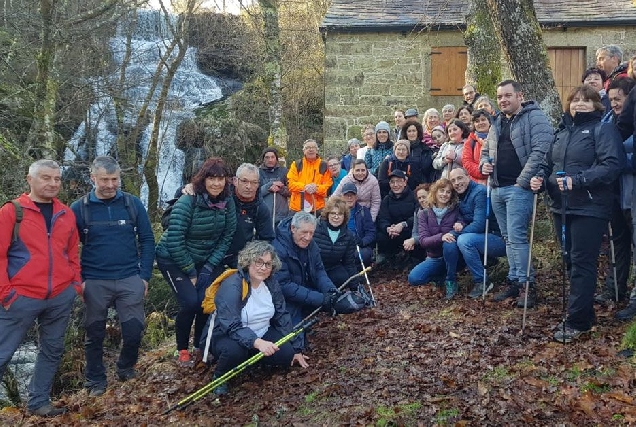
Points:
point(97, 390)
point(451, 289)
point(221, 389)
point(627, 313)
point(608, 296)
point(184, 358)
point(532, 296)
point(478, 290)
point(126, 374)
point(569, 335)
point(47, 410)
point(510, 291)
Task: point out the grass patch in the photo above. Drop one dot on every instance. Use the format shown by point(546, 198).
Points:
point(498, 374)
point(389, 414)
point(445, 415)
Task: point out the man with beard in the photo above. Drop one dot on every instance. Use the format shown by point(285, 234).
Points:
point(273, 182)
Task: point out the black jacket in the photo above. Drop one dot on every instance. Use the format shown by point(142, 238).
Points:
point(421, 164)
point(391, 164)
point(396, 208)
point(594, 164)
point(341, 252)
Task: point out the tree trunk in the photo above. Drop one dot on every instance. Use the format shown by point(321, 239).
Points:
point(277, 133)
point(484, 53)
point(519, 34)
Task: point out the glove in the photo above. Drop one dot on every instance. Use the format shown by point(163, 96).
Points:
point(329, 299)
point(205, 276)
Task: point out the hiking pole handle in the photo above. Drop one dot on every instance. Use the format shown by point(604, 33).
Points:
point(366, 276)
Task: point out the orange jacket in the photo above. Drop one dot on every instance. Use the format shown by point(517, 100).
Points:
point(310, 173)
point(38, 265)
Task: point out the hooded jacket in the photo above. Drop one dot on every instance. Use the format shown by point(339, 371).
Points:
point(266, 177)
point(309, 173)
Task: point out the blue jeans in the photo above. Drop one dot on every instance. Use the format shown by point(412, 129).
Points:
point(471, 246)
point(435, 269)
point(512, 205)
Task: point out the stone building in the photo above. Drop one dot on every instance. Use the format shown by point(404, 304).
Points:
point(381, 55)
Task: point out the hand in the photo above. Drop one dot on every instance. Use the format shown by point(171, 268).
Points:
point(205, 276)
point(145, 286)
point(329, 299)
point(194, 281)
point(535, 183)
point(448, 238)
point(274, 188)
point(397, 228)
point(311, 188)
point(565, 183)
point(450, 156)
point(409, 244)
point(487, 168)
point(188, 189)
point(266, 347)
point(458, 227)
point(279, 184)
point(301, 359)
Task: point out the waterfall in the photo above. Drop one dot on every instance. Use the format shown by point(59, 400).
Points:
point(190, 89)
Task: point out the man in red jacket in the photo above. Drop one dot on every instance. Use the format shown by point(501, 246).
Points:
point(39, 277)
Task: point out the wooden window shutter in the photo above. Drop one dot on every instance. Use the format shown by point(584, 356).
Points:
point(568, 65)
point(448, 68)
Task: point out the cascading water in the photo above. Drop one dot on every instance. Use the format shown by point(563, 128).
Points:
point(189, 90)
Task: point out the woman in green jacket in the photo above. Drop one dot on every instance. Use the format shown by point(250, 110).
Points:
point(191, 250)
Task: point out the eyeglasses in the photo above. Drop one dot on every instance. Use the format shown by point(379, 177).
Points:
point(333, 165)
point(259, 263)
point(247, 181)
point(336, 214)
point(310, 147)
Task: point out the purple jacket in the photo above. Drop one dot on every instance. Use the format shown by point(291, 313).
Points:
point(430, 232)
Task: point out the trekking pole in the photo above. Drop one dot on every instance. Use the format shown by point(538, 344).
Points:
point(488, 190)
point(205, 390)
point(274, 212)
point(366, 276)
point(564, 252)
point(613, 254)
point(313, 204)
point(525, 300)
point(316, 311)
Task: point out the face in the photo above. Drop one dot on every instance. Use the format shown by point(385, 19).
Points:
point(464, 116)
point(45, 184)
point(485, 105)
point(454, 133)
point(401, 152)
point(214, 185)
point(353, 149)
point(335, 217)
point(439, 137)
point(421, 197)
point(397, 184)
point(247, 185)
point(481, 124)
point(369, 137)
point(382, 136)
point(261, 268)
point(448, 114)
point(398, 116)
point(334, 167)
point(460, 180)
point(310, 151)
point(595, 81)
point(350, 199)
point(508, 100)
point(303, 234)
point(443, 196)
point(411, 133)
point(360, 172)
point(269, 160)
point(617, 99)
point(606, 62)
point(469, 94)
point(106, 184)
point(580, 105)
point(432, 120)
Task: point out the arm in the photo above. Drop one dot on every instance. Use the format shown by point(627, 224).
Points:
point(264, 227)
point(426, 237)
point(324, 183)
point(489, 148)
point(293, 291)
point(478, 225)
point(73, 254)
point(440, 160)
point(369, 228)
point(180, 221)
point(541, 136)
point(383, 176)
point(376, 198)
point(7, 219)
point(146, 240)
point(294, 182)
point(225, 240)
point(282, 320)
point(469, 160)
point(627, 118)
point(610, 156)
point(228, 312)
point(384, 219)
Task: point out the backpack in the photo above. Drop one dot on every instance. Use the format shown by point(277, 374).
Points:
point(19, 215)
point(86, 215)
point(322, 168)
point(165, 216)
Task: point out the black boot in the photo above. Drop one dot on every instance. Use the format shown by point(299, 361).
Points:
point(627, 313)
point(510, 291)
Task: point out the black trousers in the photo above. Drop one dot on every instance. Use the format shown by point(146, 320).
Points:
point(622, 238)
point(583, 235)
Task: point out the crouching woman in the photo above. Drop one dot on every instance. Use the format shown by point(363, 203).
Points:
point(251, 315)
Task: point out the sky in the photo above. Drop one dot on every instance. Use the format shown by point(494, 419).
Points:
point(231, 6)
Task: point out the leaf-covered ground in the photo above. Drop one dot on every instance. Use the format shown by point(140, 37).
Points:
point(413, 360)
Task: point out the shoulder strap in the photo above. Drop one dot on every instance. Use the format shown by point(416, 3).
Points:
point(323, 167)
point(86, 214)
point(19, 215)
point(129, 203)
point(299, 165)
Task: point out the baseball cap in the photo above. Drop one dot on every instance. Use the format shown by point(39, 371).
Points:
point(411, 112)
point(398, 173)
point(349, 187)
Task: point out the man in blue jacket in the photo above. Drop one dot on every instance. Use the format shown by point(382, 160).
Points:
point(302, 277)
point(360, 223)
point(117, 258)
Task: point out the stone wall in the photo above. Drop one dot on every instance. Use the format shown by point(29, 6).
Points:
point(369, 75)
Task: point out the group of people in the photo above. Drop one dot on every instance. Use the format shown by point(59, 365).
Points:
point(455, 190)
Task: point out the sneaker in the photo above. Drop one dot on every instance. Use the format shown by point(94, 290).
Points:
point(184, 358)
point(451, 289)
point(47, 410)
point(510, 291)
point(627, 313)
point(126, 374)
point(532, 296)
point(97, 390)
point(569, 335)
point(478, 290)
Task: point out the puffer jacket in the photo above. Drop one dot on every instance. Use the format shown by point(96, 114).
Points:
point(375, 156)
point(200, 232)
point(341, 252)
point(421, 164)
point(594, 165)
point(430, 232)
point(364, 227)
point(439, 162)
point(470, 158)
point(266, 177)
point(229, 305)
point(389, 165)
point(368, 192)
point(309, 173)
point(301, 284)
point(531, 135)
point(38, 265)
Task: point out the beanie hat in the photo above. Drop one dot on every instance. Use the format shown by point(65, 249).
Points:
point(383, 126)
